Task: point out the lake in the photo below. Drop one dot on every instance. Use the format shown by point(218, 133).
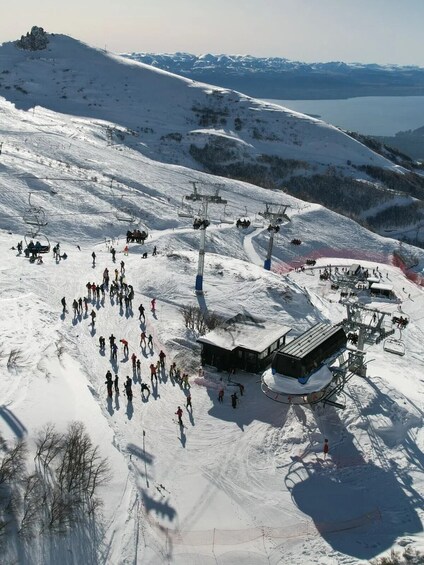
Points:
point(370, 115)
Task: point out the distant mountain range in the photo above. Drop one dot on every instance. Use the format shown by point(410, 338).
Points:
point(281, 79)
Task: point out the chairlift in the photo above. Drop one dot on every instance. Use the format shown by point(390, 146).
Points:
point(226, 218)
point(124, 213)
point(35, 245)
point(34, 215)
point(243, 223)
point(394, 345)
point(185, 211)
point(257, 221)
point(200, 223)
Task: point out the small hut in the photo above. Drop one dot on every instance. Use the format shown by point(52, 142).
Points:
point(243, 343)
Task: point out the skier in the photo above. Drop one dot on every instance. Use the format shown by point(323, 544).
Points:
point(138, 367)
point(80, 305)
point(325, 448)
point(134, 361)
point(126, 348)
point(75, 307)
point(179, 413)
point(188, 402)
point(221, 395)
point(114, 351)
point(93, 318)
point(128, 388)
point(234, 399)
point(150, 341)
point(162, 357)
point(85, 305)
point(63, 301)
point(111, 340)
point(94, 259)
point(153, 304)
point(102, 343)
point(116, 383)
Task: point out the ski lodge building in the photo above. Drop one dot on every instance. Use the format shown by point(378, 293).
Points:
point(243, 343)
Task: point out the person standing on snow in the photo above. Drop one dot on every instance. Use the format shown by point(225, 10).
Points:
point(116, 383)
point(188, 401)
point(326, 448)
point(109, 383)
point(150, 341)
point(141, 310)
point(179, 413)
point(63, 301)
point(93, 255)
point(126, 348)
point(221, 395)
point(153, 304)
point(234, 399)
point(128, 388)
point(162, 357)
point(93, 318)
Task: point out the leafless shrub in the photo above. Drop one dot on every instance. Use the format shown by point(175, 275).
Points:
point(199, 321)
point(49, 444)
point(31, 501)
point(15, 359)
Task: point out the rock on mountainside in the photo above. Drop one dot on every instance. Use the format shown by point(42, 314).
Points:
point(176, 120)
point(282, 79)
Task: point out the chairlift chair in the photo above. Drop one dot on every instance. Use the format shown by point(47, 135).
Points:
point(40, 245)
point(185, 210)
point(124, 213)
point(226, 218)
point(394, 345)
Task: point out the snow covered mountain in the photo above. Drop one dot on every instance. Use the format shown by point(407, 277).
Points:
point(281, 79)
point(245, 485)
point(180, 121)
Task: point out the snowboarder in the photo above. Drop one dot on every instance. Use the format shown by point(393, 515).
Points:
point(63, 301)
point(126, 348)
point(116, 383)
point(179, 413)
point(325, 448)
point(93, 318)
point(94, 259)
point(234, 399)
point(221, 395)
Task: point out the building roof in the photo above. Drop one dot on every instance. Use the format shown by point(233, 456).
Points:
point(381, 286)
point(304, 344)
point(252, 335)
point(373, 280)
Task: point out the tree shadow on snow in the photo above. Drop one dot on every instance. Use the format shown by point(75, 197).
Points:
point(359, 507)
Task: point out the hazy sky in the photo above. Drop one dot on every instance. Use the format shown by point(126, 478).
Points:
point(380, 31)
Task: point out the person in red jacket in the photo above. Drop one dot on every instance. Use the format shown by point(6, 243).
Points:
point(179, 413)
point(325, 448)
point(125, 344)
point(153, 304)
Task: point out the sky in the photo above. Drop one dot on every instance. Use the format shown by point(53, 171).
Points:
point(369, 31)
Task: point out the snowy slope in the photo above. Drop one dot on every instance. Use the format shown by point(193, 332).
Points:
point(233, 486)
point(71, 77)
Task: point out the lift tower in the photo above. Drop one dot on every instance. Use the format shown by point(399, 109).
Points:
point(201, 222)
point(276, 218)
